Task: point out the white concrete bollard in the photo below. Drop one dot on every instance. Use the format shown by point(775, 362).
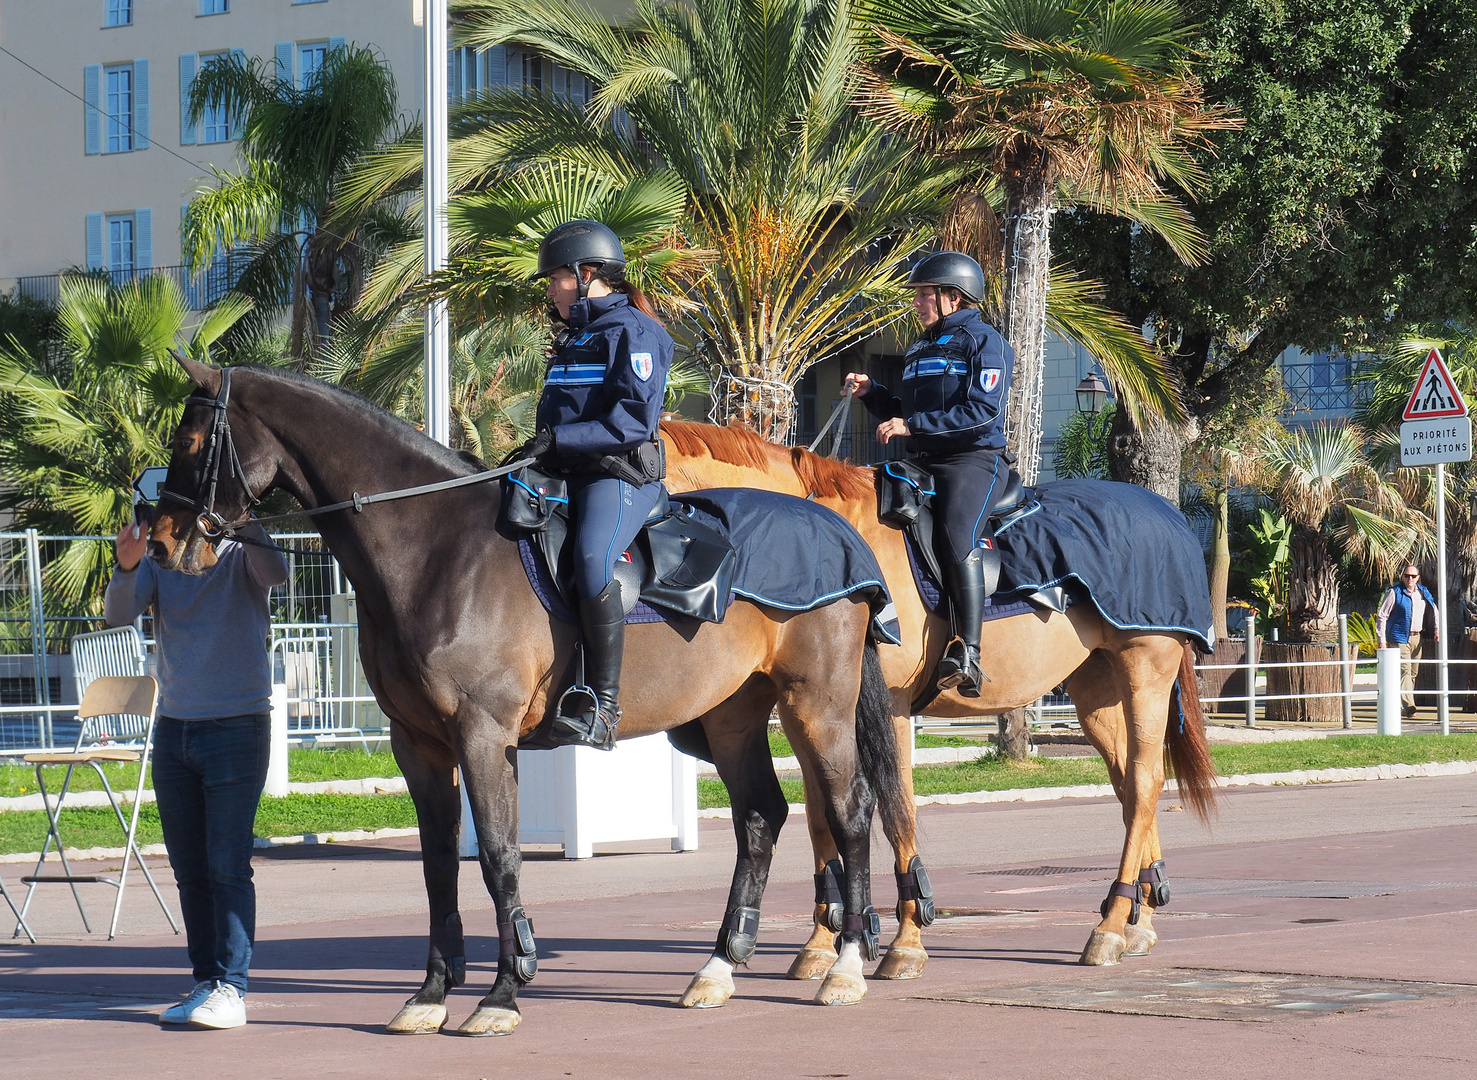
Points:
point(277, 759)
point(1387, 679)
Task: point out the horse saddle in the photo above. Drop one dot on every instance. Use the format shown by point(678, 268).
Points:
point(676, 562)
point(904, 491)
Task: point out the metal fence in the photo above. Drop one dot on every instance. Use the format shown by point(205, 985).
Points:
point(200, 289)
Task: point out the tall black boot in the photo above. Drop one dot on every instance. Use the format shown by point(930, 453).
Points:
point(960, 666)
point(587, 715)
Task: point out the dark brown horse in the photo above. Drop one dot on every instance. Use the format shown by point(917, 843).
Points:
point(465, 661)
point(1120, 681)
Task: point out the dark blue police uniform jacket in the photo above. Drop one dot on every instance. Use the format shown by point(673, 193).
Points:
point(603, 394)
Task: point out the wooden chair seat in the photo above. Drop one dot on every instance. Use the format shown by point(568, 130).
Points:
point(82, 757)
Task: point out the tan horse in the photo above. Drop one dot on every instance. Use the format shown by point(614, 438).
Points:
point(1120, 681)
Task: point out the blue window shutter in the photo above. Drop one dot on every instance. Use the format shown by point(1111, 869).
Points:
point(141, 104)
point(497, 67)
point(238, 58)
point(143, 239)
point(188, 62)
point(336, 43)
point(285, 49)
point(94, 241)
point(92, 117)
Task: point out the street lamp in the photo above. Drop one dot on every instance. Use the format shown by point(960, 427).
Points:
point(1092, 392)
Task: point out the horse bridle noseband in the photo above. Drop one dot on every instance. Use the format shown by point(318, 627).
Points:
point(222, 448)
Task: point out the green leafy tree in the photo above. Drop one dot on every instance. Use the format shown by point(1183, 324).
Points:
point(75, 434)
point(1082, 445)
point(296, 145)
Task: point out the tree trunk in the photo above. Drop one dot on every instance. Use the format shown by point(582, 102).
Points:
point(1027, 264)
point(1013, 742)
point(1297, 693)
point(1220, 562)
point(1148, 456)
point(1313, 589)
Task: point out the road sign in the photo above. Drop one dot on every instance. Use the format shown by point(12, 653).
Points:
point(1435, 395)
point(1437, 428)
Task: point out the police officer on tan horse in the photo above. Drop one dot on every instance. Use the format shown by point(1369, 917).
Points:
point(597, 426)
point(951, 404)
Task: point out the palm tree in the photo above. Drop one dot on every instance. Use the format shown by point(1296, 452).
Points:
point(1046, 104)
point(296, 144)
point(76, 433)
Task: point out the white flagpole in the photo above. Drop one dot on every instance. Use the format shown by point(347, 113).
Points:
point(438, 334)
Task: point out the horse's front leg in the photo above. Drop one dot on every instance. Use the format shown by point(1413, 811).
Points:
point(489, 755)
point(429, 775)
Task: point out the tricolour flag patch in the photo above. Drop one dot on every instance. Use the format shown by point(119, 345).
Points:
point(989, 379)
point(642, 365)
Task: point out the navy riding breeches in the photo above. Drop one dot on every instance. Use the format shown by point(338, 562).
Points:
point(967, 483)
point(607, 514)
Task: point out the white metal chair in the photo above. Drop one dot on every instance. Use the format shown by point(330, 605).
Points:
point(114, 708)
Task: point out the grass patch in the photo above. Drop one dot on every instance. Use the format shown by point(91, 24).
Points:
point(313, 766)
point(1344, 752)
point(779, 746)
point(292, 815)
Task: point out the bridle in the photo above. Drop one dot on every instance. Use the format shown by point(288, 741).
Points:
point(220, 449)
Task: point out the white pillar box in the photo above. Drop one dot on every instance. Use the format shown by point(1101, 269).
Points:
point(1387, 681)
point(577, 797)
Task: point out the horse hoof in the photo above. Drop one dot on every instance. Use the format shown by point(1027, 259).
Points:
point(901, 963)
point(811, 964)
point(706, 993)
point(841, 989)
point(490, 1021)
point(415, 1019)
point(1103, 950)
point(1140, 940)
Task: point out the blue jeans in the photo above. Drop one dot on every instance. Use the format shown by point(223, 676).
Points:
point(208, 778)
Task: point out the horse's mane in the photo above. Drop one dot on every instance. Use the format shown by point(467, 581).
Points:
point(460, 462)
point(740, 446)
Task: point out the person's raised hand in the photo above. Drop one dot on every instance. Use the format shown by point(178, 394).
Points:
point(132, 544)
point(858, 382)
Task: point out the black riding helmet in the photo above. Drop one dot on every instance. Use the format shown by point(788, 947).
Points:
point(952, 269)
point(581, 243)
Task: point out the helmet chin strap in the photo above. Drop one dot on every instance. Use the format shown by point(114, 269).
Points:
point(579, 280)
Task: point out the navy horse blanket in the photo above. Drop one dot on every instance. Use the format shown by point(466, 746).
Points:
point(793, 554)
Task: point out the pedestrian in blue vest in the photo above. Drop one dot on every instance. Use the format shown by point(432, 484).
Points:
point(1407, 618)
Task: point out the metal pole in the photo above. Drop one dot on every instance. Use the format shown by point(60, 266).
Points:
point(1251, 669)
point(1443, 704)
point(438, 333)
point(1346, 671)
point(39, 667)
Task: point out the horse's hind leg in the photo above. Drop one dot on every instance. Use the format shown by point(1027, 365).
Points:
point(429, 777)
point(1144, 670)
point(906, 957)
point(1094, 692)
point(818, 954)
point(738, 734)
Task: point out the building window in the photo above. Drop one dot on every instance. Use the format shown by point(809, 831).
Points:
point(122, 254)
point(118, 109)
point(215, 7)
point(310, 58)
point(465, 73)
point(119, 13)
point(215, 124)
point(533, 72)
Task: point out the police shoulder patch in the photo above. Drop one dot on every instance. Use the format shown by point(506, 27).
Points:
point(642, 365)
point(989, 379)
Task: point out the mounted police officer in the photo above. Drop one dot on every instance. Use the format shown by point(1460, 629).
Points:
point(597, 426)
point(951, 404)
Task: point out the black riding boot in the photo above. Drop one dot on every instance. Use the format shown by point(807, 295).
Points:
point(587, 715)
point(960, 666)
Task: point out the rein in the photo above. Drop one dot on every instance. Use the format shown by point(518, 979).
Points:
point(222, 448)
point(844, 403)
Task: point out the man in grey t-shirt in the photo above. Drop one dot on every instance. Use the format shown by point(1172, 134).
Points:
point(211, 745)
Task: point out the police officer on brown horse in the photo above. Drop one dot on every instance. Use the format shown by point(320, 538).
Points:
point(951, 405)
point(597, 426)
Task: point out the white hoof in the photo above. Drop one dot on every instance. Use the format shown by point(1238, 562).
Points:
point(844, 984)
point(1140, 939)
point(416, 1019)
point(1103, 949)
point(711, 987)
point(490, 1021)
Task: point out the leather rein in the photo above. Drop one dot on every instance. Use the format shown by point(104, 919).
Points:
point(221, 450)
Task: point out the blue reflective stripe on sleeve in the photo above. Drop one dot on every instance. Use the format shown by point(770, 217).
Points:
point(576, 375)
point(934, 365)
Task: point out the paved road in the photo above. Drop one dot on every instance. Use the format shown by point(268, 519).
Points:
point(1315, 932)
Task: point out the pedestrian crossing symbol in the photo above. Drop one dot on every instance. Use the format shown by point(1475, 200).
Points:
point(1435, 394)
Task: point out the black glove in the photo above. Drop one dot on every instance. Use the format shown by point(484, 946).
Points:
point(540, 445)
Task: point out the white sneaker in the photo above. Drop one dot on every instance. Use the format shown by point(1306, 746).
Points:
point(222, 1009)
point(179, 1013)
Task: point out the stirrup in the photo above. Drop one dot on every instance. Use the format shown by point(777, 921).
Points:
point(580, 721)
point(957, 671)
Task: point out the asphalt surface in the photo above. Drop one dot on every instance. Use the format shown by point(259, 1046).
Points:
point(1320, 931)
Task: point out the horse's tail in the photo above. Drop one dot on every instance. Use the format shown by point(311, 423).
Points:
point(1188, 752)
point(876, 740)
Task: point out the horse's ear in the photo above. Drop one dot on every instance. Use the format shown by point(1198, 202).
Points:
point(204, 376)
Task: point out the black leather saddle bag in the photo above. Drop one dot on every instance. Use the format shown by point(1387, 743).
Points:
point(903, 490)
point(532, 498)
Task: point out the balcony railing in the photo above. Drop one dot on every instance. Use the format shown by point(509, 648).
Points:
point(200, 289)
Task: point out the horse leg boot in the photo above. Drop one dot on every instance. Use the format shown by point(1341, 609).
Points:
point(587, 715)
point(960, 666)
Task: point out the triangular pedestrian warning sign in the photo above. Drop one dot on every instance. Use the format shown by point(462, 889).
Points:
point(1435, 394)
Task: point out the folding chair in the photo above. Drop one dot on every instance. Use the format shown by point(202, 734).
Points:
point(113, 707)
point(20, 922)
